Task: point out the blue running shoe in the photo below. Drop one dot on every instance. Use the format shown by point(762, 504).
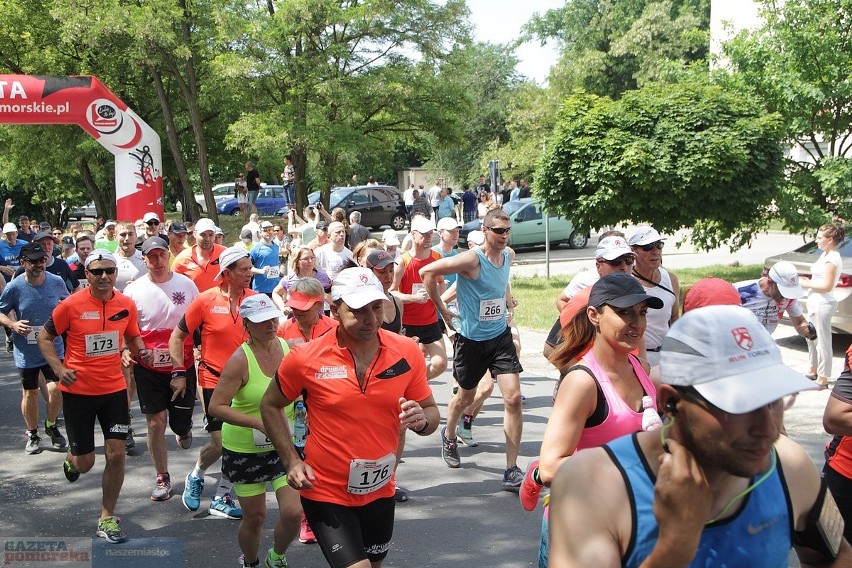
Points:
point(192, 490)
point(224, 507)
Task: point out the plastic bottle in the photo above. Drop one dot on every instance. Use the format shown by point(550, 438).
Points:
point(650, 416)
point(300, 425)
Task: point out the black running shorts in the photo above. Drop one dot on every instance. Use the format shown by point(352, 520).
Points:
point(81, 410)
point(473, 358)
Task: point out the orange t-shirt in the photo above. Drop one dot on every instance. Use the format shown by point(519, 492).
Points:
point(290, 332)
point(351, 426)
point(201, 273)
point(94, 336)
point(222, 332)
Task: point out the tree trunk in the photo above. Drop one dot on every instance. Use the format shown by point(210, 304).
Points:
point(104, 199)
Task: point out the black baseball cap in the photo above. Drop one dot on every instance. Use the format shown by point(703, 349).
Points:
point(177, 228)
point(379, 259)
point(23, 218)
point(153, 243)
point(42, 235)
point(32, 251)
point(322, 225)
point(621, 291)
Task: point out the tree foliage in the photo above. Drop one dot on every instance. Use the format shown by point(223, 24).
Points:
point(798, 63)
point(685, 155)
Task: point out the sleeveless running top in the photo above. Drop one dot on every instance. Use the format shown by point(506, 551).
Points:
point(621, 419)
point(760, 533)
point(394, 325)
point(482, 302)
point(658, 320)
point(247, 401)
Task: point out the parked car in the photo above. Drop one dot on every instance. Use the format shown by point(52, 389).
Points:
point(528, 227)
point(87, 211)
point(220, 191)
point(803, 257)
point(379, 204)
point(270, 200)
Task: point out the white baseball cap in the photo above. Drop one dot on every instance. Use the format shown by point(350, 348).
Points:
point(644, 235)
point(203, 225)
point(727, 355)
point(422, 225)
point(10, 228)
point(150, 216)
point(476, 237)
point(390, 238)
point(266, 225)
point(448, 224)
point(610, 248)
point(99, 254)
point(786, 277)
point(259, 308)
point(357, 287)
point(228, 257)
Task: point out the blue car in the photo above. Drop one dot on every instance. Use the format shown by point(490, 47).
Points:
point(269, 200)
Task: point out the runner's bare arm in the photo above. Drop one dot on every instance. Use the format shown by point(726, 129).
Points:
point(837, 418)
point(234, 377)
point(421, 417)
point(21, 327)
point(176, 342)
point(48, 350)
point(299, 474)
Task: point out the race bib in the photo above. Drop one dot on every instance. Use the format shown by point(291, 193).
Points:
point(274, 272)
point(261, 442)
point(366, 476)
point(102, 344)
point(162, 359)
point(417, 286)
point(32, 336)
point(492, 310)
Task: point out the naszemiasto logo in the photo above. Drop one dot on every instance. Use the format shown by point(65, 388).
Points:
point(104, 116)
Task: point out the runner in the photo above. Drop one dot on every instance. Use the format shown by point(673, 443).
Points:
point(162, 297)
point(264, 257)
point(363, 375)
point(101, 334)
point(483, 340)
point(420, 319)
point(200, 262)
point(25, 306)
point(248, 458)
point(216, 313)
point(308, 321)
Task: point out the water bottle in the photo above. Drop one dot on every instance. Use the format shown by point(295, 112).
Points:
point(650, 416)
point(454, 307)
point(300, 426)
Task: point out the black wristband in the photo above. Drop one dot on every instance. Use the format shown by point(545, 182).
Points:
point(421, 431)
point(178, 374)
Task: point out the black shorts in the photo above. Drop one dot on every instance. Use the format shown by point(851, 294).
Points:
point(155, 396)
point(426, 333)
point(29, 377)
point(211, 423)
point(241, 467)
point(81, 410)
point(348, 535)
point(472, 358)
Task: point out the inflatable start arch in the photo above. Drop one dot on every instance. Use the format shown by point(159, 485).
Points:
point(86, 102)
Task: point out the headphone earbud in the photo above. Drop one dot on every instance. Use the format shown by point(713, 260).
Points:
point(671, 406)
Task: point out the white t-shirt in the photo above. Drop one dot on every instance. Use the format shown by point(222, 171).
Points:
point(434, 196)
point(129, 268)
point(161, 306)
point(658, 320)
point(818, 276)
point(580, 281)
point(767, 310)
point(254, 228)
point(408, 196)
point(330, 261)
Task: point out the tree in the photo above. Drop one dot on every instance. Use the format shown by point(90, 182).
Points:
point(798, 63)
point(684, 155)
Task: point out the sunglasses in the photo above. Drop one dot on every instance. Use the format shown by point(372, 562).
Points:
point(42, 260)
point(152, 222)
point(100, 271)
point(626, 259)
point(57, 234)
point(651, 246)
point(499, 230)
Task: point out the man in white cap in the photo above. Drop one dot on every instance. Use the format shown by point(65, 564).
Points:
point(101, 332)
point(152, 224)
point(356, 374)
point(612, 251)
point(420, 318)
point(216, 313)
point(10, 251)
point(105, 238)
point(391, 241)
point(200, 262)
point(647, 244)
point(707, 488)
point(162, 297)
point(770, 296)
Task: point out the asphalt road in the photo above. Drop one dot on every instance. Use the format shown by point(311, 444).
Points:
point(455, 517)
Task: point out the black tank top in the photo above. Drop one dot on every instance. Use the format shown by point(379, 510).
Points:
point(396, 325)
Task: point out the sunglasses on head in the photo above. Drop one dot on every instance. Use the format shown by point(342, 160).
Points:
point(152, 222)
point(624, 259)
point(499, 230)
point(100, 271)
point(651, 246)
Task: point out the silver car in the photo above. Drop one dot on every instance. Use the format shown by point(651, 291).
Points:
point(803, 257)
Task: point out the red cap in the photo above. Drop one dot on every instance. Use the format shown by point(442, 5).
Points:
point(711, 291)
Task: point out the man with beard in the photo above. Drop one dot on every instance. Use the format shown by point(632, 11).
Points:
point(707, 488)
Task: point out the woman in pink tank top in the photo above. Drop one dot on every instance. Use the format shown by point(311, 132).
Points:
point(600, 398)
